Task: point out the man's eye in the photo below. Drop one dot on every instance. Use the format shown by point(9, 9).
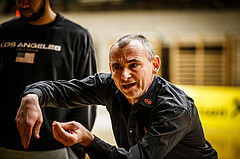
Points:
point(116, 68)
point(134, 65)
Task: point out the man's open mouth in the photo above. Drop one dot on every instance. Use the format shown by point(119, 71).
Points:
point(128, 85)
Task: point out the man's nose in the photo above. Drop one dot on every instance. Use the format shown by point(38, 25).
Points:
point(23, 3)
point(126, 74)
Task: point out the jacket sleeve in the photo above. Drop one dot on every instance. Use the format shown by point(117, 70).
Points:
point(69, 94)
point(167, 129)
point(100, 149)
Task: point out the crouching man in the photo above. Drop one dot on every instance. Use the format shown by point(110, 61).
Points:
point(151, 118)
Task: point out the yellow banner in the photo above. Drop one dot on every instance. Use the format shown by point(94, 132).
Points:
point(219, 110)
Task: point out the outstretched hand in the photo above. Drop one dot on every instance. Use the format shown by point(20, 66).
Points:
point(29, 119)
point(70, 133)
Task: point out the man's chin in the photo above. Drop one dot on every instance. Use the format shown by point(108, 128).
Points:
point(132, 95)
point(29, 18)
point(33, 16)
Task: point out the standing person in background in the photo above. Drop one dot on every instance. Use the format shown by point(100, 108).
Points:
point(41, 45)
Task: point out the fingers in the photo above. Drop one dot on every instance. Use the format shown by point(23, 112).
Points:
point(36, 128)
point(77, 133)
point(68, 125)
point(66, 138)
point(59, 129)
point(25, 130)
point(27, 133)
point(56, 133)
point(29, 119)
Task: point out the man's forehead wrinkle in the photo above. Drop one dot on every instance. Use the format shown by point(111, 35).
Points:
point(125, 57)
point(129, 53)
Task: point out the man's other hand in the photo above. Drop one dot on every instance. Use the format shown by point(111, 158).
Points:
point(29, 119)
point(70, 133)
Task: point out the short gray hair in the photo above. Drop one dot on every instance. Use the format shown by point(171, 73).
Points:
point(123, 41)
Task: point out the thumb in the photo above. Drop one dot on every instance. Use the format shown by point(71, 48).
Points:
point(67, 125)
point(36, 128)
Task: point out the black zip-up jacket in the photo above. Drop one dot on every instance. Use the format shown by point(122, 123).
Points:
point(164, 123)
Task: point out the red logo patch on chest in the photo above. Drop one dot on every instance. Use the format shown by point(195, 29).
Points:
point(148, 101)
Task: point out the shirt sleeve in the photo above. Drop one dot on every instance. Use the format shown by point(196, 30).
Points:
point(167, 129)
point(69, 94)
point(100, 149)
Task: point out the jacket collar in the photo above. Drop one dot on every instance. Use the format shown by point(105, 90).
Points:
point(148, 99)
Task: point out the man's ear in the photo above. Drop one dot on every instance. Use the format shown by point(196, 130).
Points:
point(110, 67)
point(156, 61)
